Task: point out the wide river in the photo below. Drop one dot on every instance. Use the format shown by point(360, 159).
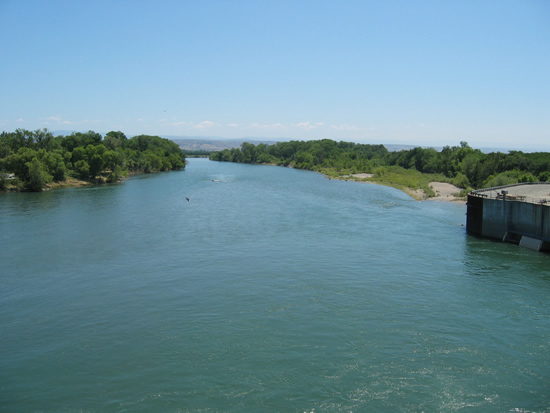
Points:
point(269, 290)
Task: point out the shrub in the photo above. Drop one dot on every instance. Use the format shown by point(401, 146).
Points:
point(504, 178)
point(544, 176)
point(460, 180)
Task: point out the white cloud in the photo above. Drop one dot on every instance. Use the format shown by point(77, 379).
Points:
point(59, 121)
point(204, 125)
point(308, 125)
point(263, 126)
point(233, 125)
point(20, 120)
point(344, 127)
point(50, 119)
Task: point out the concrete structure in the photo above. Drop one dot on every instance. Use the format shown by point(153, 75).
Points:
point(513, 213)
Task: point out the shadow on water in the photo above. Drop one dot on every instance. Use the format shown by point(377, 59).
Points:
point(498, 260)
point(20, 203)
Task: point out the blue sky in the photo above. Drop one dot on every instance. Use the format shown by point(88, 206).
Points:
point(412, 72)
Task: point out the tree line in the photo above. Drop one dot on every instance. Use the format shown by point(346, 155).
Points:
point(461, 165)
point(30, 160)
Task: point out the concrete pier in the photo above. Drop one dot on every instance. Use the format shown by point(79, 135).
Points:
point(514, 213)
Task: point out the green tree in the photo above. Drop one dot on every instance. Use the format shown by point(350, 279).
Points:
point(55, 164)
point(471, 167)
point(79, 154)
point(544, 176)
point(82, 168)
point(304, 160)
point(83, 155)
point(112, 159)
point(116, 174)
point(96, 165)
point(527, 177)
point(114, 139)
point(18, 162)
point(38, 175)
point(42, 138)
point(237, 155)
point(249, 153)
point(90, 138)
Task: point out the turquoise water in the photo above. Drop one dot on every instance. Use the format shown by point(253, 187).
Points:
point(271, 289)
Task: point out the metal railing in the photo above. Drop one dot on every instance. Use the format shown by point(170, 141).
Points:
point(499, 192)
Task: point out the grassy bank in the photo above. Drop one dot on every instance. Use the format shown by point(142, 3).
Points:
point(414, 183)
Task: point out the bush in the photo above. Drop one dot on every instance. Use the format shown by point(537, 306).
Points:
point(504, 178)
point(460, 180)
point(544, 176)
point(379, 171)
point(463, 193)
point(527, 177)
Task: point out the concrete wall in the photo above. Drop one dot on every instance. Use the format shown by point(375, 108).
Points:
point(493, 217)
point(515, 217)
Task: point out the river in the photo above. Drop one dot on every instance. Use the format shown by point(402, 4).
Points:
point(269, 289)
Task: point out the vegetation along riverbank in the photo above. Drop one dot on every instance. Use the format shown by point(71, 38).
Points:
point(37, 160)
point(416, 171)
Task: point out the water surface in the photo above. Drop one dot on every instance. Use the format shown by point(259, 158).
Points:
point(271, 289)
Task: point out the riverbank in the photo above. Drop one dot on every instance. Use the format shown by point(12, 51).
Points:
point(67, 183)
point(443, 191)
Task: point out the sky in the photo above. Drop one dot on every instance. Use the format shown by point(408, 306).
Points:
point(416, 72)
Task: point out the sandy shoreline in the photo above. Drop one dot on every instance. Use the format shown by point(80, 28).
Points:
point(443, 191)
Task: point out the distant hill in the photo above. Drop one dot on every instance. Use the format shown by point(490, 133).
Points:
point(396, 148)
point(196, 144)
point(216, 143)
point(201, 144)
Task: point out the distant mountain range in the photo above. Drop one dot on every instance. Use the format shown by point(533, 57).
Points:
point(219, 144)
point(216, 143)
point(201, 144)
point(198, 144)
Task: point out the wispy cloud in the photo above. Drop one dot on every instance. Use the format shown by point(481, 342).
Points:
point(54, 119)
point(204, 125)
point(20, 120)
point(233, 125)
point(49, 120)
point(309, 125)
point(344, 127)
point(58, 120)
point(267, 126)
